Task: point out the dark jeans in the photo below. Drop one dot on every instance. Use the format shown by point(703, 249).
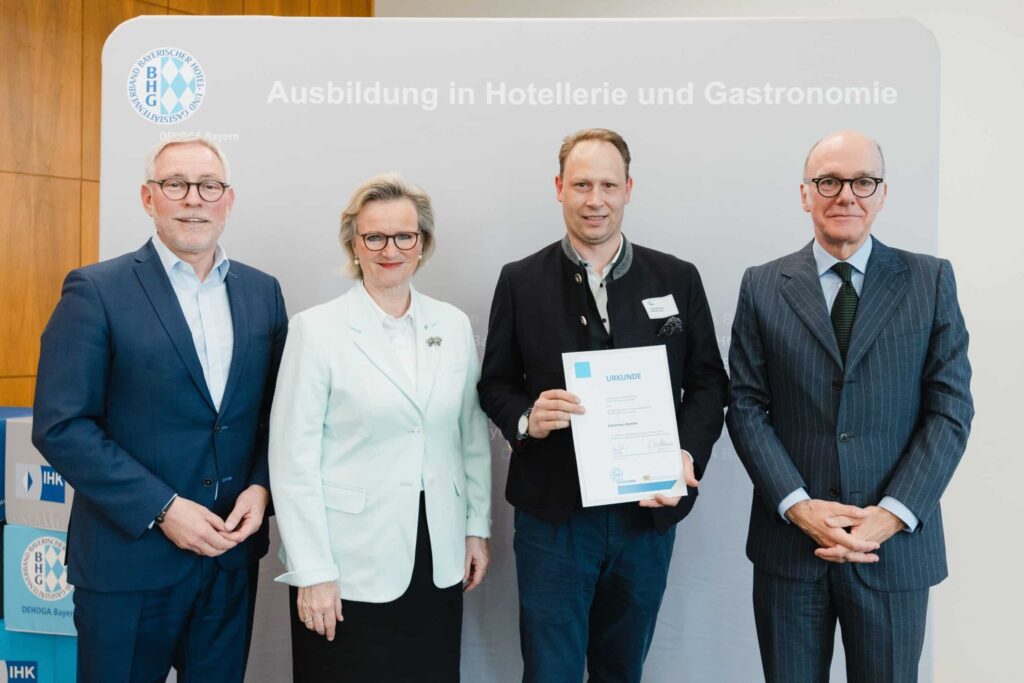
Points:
point(589, 593)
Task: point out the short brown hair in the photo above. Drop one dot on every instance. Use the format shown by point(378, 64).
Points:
point(600, 134)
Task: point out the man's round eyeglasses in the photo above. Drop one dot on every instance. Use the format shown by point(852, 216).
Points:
point(829, 187)
point(176, 189)
point(378, 241)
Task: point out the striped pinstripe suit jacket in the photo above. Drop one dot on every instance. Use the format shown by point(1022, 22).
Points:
point(893, 420)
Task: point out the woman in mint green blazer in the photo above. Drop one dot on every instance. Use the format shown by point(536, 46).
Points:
point(380, 460)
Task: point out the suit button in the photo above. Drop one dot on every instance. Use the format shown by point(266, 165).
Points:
point(207, 482)
point(218, 428)
point(579, 278)
point(834, 493)
point(844, 437)
point(837, 385)
point(583, 320)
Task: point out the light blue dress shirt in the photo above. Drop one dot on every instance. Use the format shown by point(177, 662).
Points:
point(830, 284)
point(208, 314)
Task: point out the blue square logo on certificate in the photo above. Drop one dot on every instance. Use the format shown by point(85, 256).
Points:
point(583, 369)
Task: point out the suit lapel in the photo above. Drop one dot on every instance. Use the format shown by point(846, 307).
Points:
point(369, 338)
point(240, 325)
point(161, 295)
point(801, 288)
point(885, 287)
point(427, 356)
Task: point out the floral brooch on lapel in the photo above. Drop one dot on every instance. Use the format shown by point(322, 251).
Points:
point(672, 326)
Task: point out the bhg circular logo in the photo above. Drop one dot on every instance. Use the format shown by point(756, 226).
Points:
point(166, 85)
point(42, 569)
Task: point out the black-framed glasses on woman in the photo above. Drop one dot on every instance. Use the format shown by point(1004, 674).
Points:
point(829, 186)
point(378, 241)
point(176, 189)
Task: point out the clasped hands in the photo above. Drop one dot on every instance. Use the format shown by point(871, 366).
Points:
point(845, 533)
point(552, 410)
point(193, 527)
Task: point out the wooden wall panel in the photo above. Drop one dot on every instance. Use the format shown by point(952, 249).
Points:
point(41, 87)
point(17, 391)
point(101, 17)
point(208, 6)
point(90, 247)
point(40, 222)
point(341, 8)
point(49, 150)
point(278, 8)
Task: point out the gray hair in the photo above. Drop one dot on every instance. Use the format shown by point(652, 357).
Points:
point(386, 187)
point(150, 167)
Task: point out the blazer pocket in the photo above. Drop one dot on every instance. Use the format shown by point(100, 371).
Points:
point(671, 327)
point(898, 340)
point(344, 498)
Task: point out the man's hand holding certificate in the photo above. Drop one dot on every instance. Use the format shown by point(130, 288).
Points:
point(626, 440)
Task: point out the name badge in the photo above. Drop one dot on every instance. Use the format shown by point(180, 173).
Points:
point(660, 307)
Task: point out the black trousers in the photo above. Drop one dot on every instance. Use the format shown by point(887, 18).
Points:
point(416, 638)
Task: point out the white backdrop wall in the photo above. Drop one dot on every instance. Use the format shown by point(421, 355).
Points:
point(975, 612)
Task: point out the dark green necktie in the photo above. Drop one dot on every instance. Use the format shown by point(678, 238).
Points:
point(844, 308)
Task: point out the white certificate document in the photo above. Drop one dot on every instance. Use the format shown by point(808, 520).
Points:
point(627, 443)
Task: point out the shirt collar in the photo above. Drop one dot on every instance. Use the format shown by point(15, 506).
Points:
point(382, 316)
point(170, 260)
point(617, 268)
point(825, 260)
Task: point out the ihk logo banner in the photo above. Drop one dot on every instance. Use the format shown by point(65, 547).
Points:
point(39, 482)
point(18, 671)
point(42, 569)
point(166, 85)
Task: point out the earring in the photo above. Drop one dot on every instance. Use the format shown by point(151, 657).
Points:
point(421, 257)
point(355, 261)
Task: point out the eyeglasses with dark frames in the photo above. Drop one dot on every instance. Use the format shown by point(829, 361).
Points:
point(177, 189)
point(378, 241)
point(830, 186)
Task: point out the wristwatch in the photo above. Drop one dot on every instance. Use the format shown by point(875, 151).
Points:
point(523, 428)
point(163, 513)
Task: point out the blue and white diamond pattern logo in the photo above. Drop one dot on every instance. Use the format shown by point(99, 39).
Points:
point(177, 83)
point(42, 568)
point(166, 85)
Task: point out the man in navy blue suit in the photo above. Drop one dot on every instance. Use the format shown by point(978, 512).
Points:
point(155, 380)
point(850, 408)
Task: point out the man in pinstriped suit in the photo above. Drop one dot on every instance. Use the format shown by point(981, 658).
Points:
point(850, 408)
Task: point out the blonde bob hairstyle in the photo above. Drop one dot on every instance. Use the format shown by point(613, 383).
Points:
point(386, 187)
